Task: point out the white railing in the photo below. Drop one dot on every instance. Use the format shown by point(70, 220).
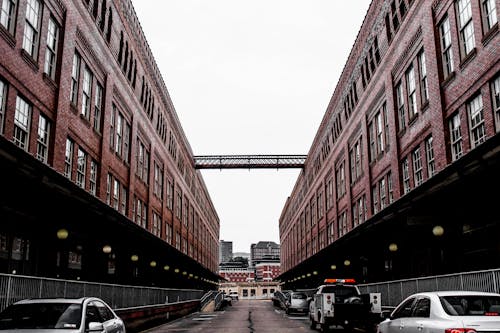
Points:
point(393, 292)
point(17, 287)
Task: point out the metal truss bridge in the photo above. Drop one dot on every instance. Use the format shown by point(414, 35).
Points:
point(249, 161)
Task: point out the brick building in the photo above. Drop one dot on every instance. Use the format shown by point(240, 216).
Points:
point(237, 274)
point(398, 178)
point(91, 146)
point(267, 271)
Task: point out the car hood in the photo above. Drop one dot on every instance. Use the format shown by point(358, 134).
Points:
point(482, 323)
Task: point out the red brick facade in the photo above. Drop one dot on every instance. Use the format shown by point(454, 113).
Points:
point(390, 123)
point(84, 68)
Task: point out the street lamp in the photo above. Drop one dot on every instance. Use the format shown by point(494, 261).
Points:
point(333, 267)
point(134, 257)
point(62, 233)
point(107, 249)
point(438, 231)
point(393, 247)
point(347, 262)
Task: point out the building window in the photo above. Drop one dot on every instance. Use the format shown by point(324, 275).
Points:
point(382, 193)
point(109, 179)
point(158, 181)
point(22, 123)
point(178, 205)
point(8, 15)
point(418, 176)
point(476, 119)
point(489, 14)
point(170, 195)
point(455, 137)
point(156, 228)
point(81, 168)
point(378, 133)
point(358, 211)
point(142, 170)
point(466, 26)
point(42, 144)
point(355, 161)
point(424, 88)
point(30, 40)
point(75, 77)
point(406, 176)
point(98, 108)
point(412, 94)
point(495, 96)
point(93, 177)
point(400, 104)
point(320, 205)
point(116, 194)
point(431, 164)
point(51, 51)
point(3, 99)
point(342, 224)
point(329, 194)
point(375, 199)
point(168, 233)
point(68, 158)
point(120, 135)
point(446, 51)
point(87, 91)
point(341, 180)
point(140, 214)
point(123, 200)
point(389, 187)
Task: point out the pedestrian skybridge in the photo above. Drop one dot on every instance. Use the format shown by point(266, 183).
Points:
point(249, 161)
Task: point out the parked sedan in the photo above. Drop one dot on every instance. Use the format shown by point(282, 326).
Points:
point(445, 312)
point(59, 315)
point(297, 302)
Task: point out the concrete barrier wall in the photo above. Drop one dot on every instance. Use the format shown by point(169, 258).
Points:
point(141, 318)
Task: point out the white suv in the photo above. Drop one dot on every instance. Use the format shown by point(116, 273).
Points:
point(233, 295)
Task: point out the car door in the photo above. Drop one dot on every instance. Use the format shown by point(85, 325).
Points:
point(420, 321)
point(92, 314)
point(400, 316)
point(110, 321)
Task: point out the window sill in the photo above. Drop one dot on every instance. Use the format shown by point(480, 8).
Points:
point(468, 58)
point(488, 36)
point(29, 60)
point(73, 108)
point(402, 132)
point(9, 38)
point(49, 81)
point(425, 106)
point(85, 120)
point(449, 79)
point(413, 119)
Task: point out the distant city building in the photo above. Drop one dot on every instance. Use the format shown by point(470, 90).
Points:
point(237, 274)
point(225, 251)
point(264, 251)
point(267, 271)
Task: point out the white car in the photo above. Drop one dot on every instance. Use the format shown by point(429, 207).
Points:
point(445, 312)
point(60, 315)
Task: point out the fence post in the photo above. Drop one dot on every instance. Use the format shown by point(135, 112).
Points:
point(9, 282)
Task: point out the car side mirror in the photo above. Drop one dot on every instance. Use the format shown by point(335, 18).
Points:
point(95, 327)
point(386, 314)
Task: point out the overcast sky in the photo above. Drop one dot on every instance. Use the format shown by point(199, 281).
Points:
point(250, 77)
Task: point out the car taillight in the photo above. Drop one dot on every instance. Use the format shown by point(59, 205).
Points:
point(460, 330)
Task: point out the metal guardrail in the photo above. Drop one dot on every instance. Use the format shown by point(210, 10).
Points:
point(207, 298)
point(16, 287)
point(218, 300)
point(281, 297)
point(393, 292)
point(249, 161)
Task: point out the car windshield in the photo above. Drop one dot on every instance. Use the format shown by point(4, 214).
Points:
point(41, 316)
point(341, 292)
point(299, 296)
point(471, 305)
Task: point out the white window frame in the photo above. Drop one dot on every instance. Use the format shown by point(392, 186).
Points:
point(418, 169)
point(412, 92)
point(446, 49)
point(3, 102)
point(495, 97)
point(93, 177)
point(22, 123)
point(51, 51)
point(98, 106)
point(488, 8)
point(75, 78)
point(81, 169)
point(42, 150)
point(31, 27)
point(466, 26)
point(476, 121)
point(86, 92)
point(429, 151)
point(455, 137)
point(8, 15)
point(68, 158)
point(406, 176)
point(424, 86)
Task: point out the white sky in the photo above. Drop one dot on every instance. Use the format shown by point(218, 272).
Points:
point(250, 77)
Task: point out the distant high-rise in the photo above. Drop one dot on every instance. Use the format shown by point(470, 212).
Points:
point(264, 251)
point(225, 251)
